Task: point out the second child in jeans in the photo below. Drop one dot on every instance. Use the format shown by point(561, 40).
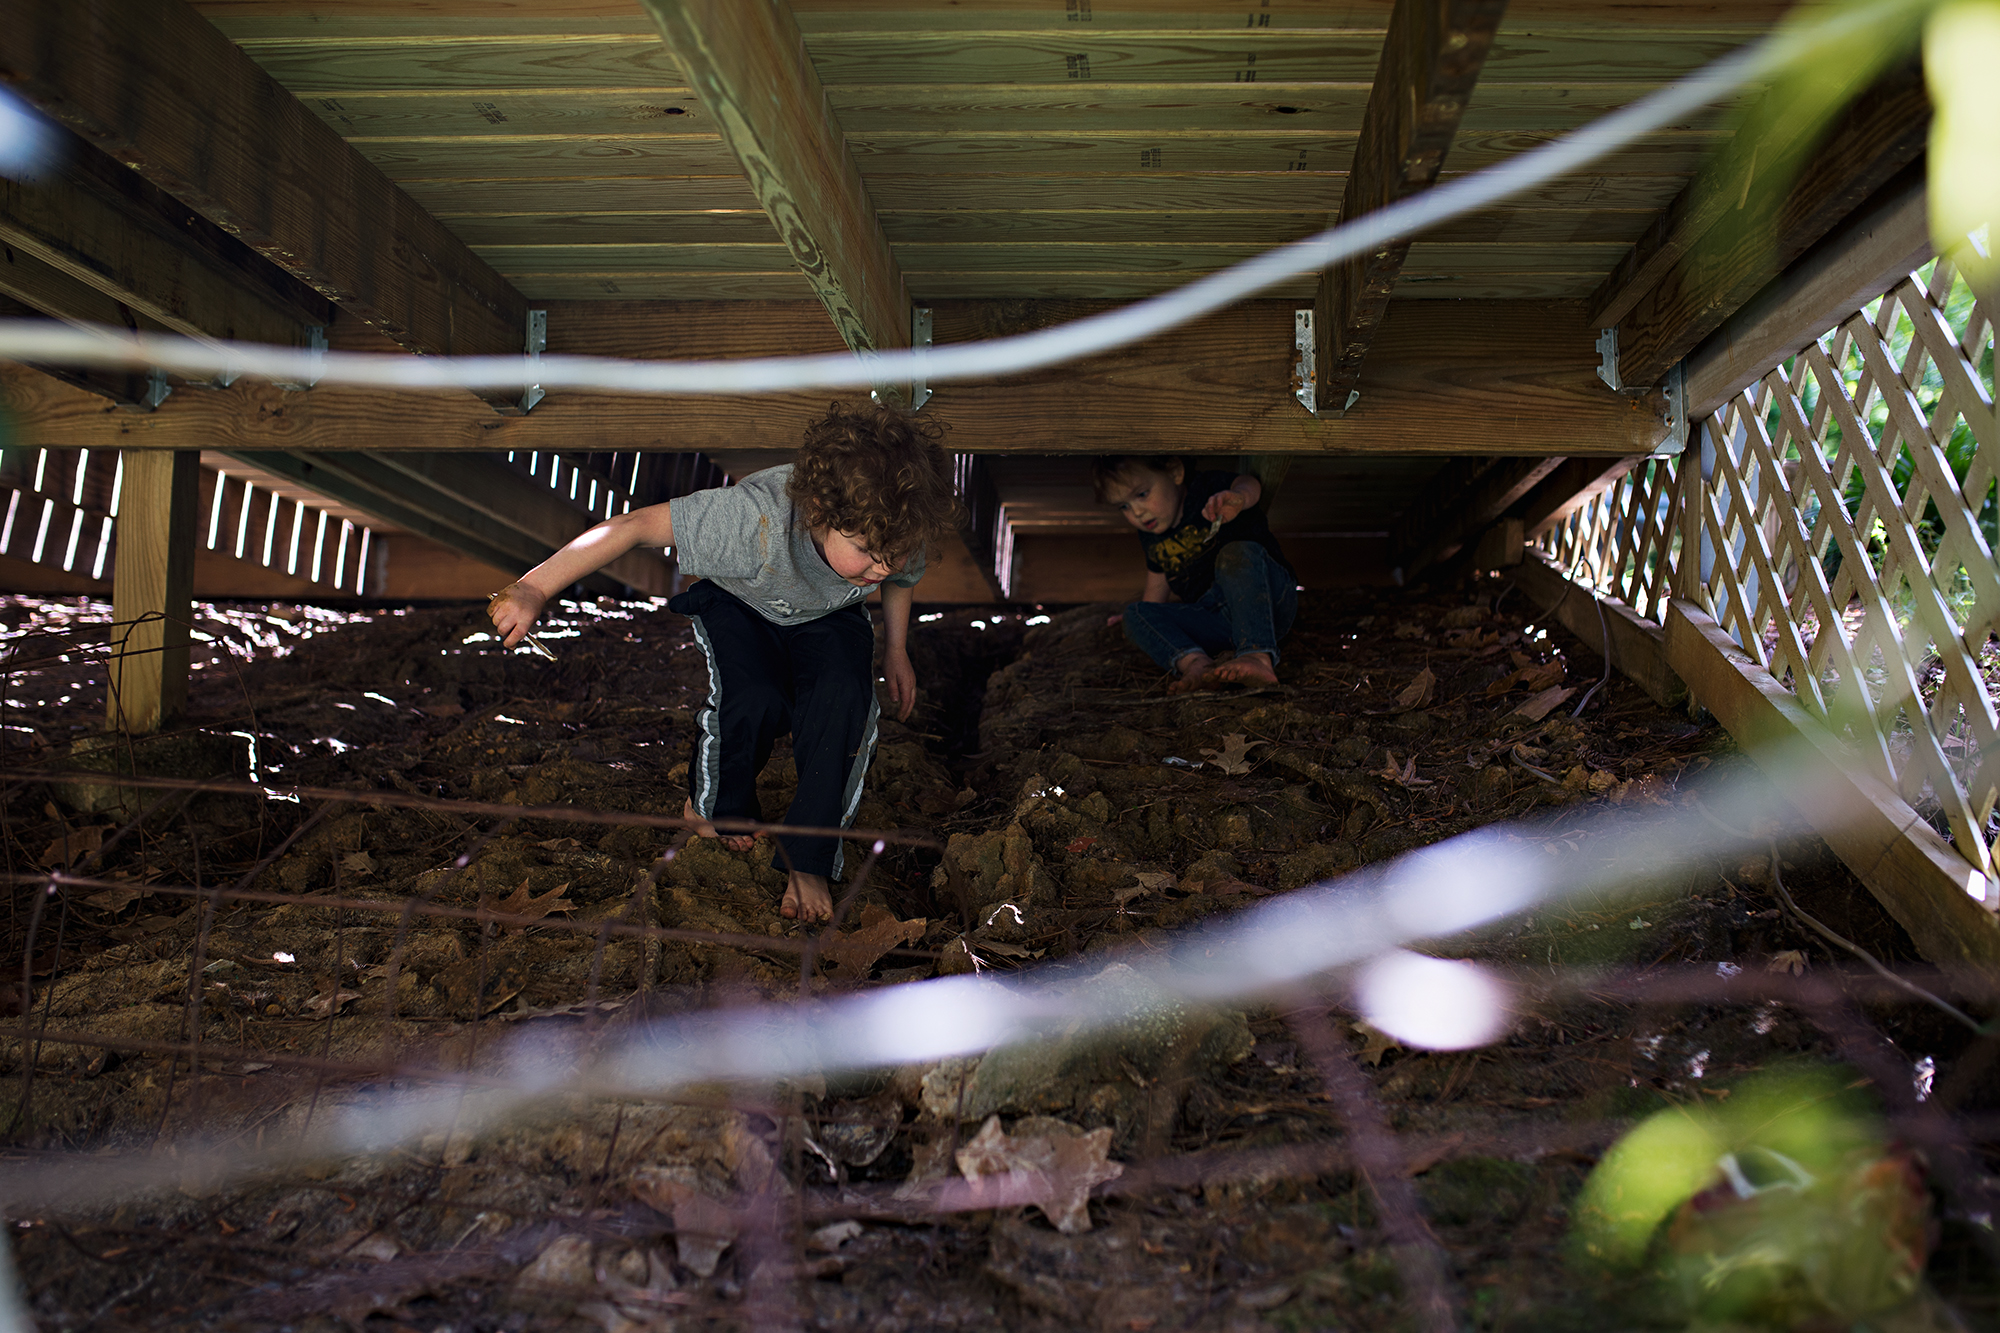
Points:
point(1207, 543)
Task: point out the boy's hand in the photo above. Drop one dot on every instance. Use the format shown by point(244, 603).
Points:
point(1223, 506)
point(513, 611)
point(902, 678)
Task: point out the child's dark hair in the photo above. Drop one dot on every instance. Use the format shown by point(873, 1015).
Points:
point(1107, 470)
point(877, 474)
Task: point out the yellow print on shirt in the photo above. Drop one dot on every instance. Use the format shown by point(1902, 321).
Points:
point(1180, 548)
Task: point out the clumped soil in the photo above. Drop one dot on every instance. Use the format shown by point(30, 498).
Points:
point(1072, 814)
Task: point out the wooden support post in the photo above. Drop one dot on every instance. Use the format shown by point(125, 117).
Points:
point(152, 590)
point(1931, 890)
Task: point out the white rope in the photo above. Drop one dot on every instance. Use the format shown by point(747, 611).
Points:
point(61, 344)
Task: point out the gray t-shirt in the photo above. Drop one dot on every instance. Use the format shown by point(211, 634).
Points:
point(747, 540)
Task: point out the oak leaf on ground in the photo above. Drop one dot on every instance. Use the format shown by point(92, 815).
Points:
point(1054, 1166)
point(854, 954)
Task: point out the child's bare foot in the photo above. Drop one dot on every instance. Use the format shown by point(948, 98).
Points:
point(1192, 666)
point(807, 898)
point(1247, 669)
point(735, 842)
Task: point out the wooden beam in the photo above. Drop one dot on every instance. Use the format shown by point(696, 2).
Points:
point(1746, 219)
point(1567, 489)
point(129, 255)
point(1448, 377)
point(468, 504)
point(1859, 259)
point(1931, 890)
point(748, 64)
point(1638, 646)
point(155, 85)
point(152, 590)
point(1496, 491)
point(1430, 61)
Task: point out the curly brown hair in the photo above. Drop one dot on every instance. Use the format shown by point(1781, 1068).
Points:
point(877, 474)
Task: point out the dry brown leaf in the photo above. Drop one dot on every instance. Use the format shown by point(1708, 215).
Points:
point(1419, 691)
point(558, 844)
point(1406, 776)
point(1375, 1043)
point(1541, 677)
point(1541, 705)
point(522, 902)
point(1505, 683)
point(358, 863)
point(1233, 757)
point(703, 1226)
point(114, 900)
point(855, 954)
point(1055, 1164)
point(1787, 960)
point(71, 847)
point(331, 998)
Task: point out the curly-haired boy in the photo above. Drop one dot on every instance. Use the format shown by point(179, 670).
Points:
point(786, 559)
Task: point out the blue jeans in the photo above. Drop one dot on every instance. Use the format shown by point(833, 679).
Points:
point(1249, 607)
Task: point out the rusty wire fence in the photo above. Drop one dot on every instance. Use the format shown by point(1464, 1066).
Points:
point(1318, 958)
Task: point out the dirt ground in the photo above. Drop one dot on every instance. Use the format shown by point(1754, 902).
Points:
point(1068, 813)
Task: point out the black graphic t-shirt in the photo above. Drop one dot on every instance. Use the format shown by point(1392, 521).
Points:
point(1186, 553)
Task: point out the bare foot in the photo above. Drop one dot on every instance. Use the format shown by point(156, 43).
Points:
point(735, 842)
point(807, 898)
point(1249, 669)
point(1192, 667)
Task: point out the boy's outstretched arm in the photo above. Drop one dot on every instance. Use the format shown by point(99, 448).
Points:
point(1245, 491)
point(902, 677)
point(515, 607)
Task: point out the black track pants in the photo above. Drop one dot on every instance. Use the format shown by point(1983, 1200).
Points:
point(815, 680)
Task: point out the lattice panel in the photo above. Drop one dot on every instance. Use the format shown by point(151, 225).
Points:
point(1846, 532)
point(1838, 519)
point(1625, 542)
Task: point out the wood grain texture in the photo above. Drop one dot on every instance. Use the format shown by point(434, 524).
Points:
point(251, 20)
point(1571, 486)
point(1855, 262)
point(966, 227)
point(1864, 149)
point(1431, 60)
point(1070, 107)
point(152, 589)
point(153, 84)
point(84, 236)
point(1135, 191)
point(892, 56)
point(1449, 377)
point(749, 66)
point(1914, 873)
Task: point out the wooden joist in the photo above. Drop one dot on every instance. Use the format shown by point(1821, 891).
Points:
point(1743, 221)
point(1447, 378)
point(1568, 488)
point(1931, 890)
point(1865, 255)
point(748, 64)
point(1430, 62)
point(156, 86)
point(1496, 491)
point(106, 228)
point(468, 504)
